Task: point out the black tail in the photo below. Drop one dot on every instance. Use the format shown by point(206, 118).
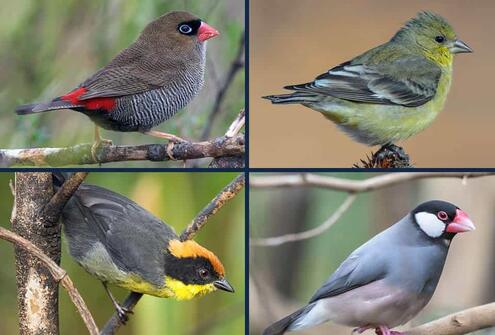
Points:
point(280, 327)
point(293, 98)
point(44, 107)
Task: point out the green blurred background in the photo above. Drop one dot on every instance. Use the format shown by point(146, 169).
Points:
point(176, 198)
point(50, 46)
point(283, 278)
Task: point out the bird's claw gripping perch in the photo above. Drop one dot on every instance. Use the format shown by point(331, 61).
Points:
point(122, 313)
point(391, 156)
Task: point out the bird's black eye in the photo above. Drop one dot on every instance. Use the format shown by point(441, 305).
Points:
point(203, 273)
point(185, 29)
point(442, 215)
point(440, 39)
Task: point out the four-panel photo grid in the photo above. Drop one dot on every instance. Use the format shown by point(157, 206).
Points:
point(235, 167)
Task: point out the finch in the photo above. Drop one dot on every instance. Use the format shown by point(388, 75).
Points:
point(390, 92)
point(147, 83)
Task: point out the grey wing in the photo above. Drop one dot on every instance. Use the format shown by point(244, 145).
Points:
point(411, 81)
point(131, 72)
point(129, 233)
point(355, 271)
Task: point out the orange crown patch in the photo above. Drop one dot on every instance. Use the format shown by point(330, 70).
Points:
point(192, 249)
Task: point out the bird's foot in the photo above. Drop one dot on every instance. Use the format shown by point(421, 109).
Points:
point(384, 330)
point(98, 143)
point(167, 136)
point(361, 330)
point(122, 313)
point(390, 156)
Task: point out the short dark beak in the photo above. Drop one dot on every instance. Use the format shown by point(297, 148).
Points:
point(462, 223)
point(460, 47)
point(223, 284)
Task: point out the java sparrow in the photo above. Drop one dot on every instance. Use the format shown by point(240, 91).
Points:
point(388, 280)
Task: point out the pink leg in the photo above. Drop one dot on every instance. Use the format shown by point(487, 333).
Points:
point(382, 330)
point(361, 329)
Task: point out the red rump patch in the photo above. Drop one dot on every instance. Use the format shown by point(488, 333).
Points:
point(92, 104)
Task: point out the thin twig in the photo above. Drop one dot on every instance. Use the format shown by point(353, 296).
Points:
point(353, 186)
point(57, 203)
point(58, 274)
point(188, 233)
point(458, 323)
point(81, 154)
point(236, 65)
point(279, 240)
point(231, 162)
point(230, 191)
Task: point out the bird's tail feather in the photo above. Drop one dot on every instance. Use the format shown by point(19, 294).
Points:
point(281, 326)
point(44, 107)
point(293, 98)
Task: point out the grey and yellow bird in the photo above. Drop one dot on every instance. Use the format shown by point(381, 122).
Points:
point(391, 92)
point(121, 243)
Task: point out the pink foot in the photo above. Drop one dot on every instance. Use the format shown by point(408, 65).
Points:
point(384, 330)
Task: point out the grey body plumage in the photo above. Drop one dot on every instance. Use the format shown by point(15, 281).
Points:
point(111, 236)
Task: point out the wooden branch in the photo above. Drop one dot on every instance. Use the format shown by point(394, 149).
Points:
point(232, 162)
point(353, 186)
point(81, 154)
point(279, 240)
point(458, 323)
point(229, 192)
point(58, 275)
point(54, 207)
point(37, 291)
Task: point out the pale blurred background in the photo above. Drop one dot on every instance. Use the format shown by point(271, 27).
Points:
point(283, 278)
point(50, 46)
point(176, 198)
point(292, 42)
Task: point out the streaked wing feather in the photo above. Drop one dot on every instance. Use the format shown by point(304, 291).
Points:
point(410, 82)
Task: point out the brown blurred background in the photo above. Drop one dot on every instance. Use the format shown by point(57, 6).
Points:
point(291, 42)
point(283, 278)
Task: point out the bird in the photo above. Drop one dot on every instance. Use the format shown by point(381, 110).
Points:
point(146, 83)
point(122, 244)
point(389, 279)
point(391, 92)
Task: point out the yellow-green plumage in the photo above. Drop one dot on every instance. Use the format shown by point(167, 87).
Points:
point(390, 92)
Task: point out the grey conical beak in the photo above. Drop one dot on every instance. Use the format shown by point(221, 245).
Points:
point(223, 284)
point(460, 47)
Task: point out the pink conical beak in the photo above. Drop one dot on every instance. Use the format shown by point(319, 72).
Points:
point(206, 32)
point(461, 223)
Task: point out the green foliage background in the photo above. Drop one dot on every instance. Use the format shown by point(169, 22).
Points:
point(50, 46)
point(176, 198)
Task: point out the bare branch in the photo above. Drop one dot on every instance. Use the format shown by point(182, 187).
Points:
point(353, 186)
point(458, 323)
point(229, 192)
point(279, 240)
point(81, 154)
point(231, 161)
point(57, 203)
point(58, 274)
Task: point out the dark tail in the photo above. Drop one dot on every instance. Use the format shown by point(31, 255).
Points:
point(44, 107)
point(293, 98)
point(280, 327)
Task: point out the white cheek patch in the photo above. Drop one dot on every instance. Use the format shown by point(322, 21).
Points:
point(430, 224)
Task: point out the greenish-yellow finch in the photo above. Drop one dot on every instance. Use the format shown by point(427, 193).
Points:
point(390, 92)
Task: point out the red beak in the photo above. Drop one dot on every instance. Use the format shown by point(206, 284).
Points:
point(461, 223)
point(206, 32)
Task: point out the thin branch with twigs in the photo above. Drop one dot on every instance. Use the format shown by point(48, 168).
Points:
point(353, 186)
point(279, 240)
point(227, 194)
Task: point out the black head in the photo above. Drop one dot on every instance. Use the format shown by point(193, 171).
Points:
point(441, 219)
